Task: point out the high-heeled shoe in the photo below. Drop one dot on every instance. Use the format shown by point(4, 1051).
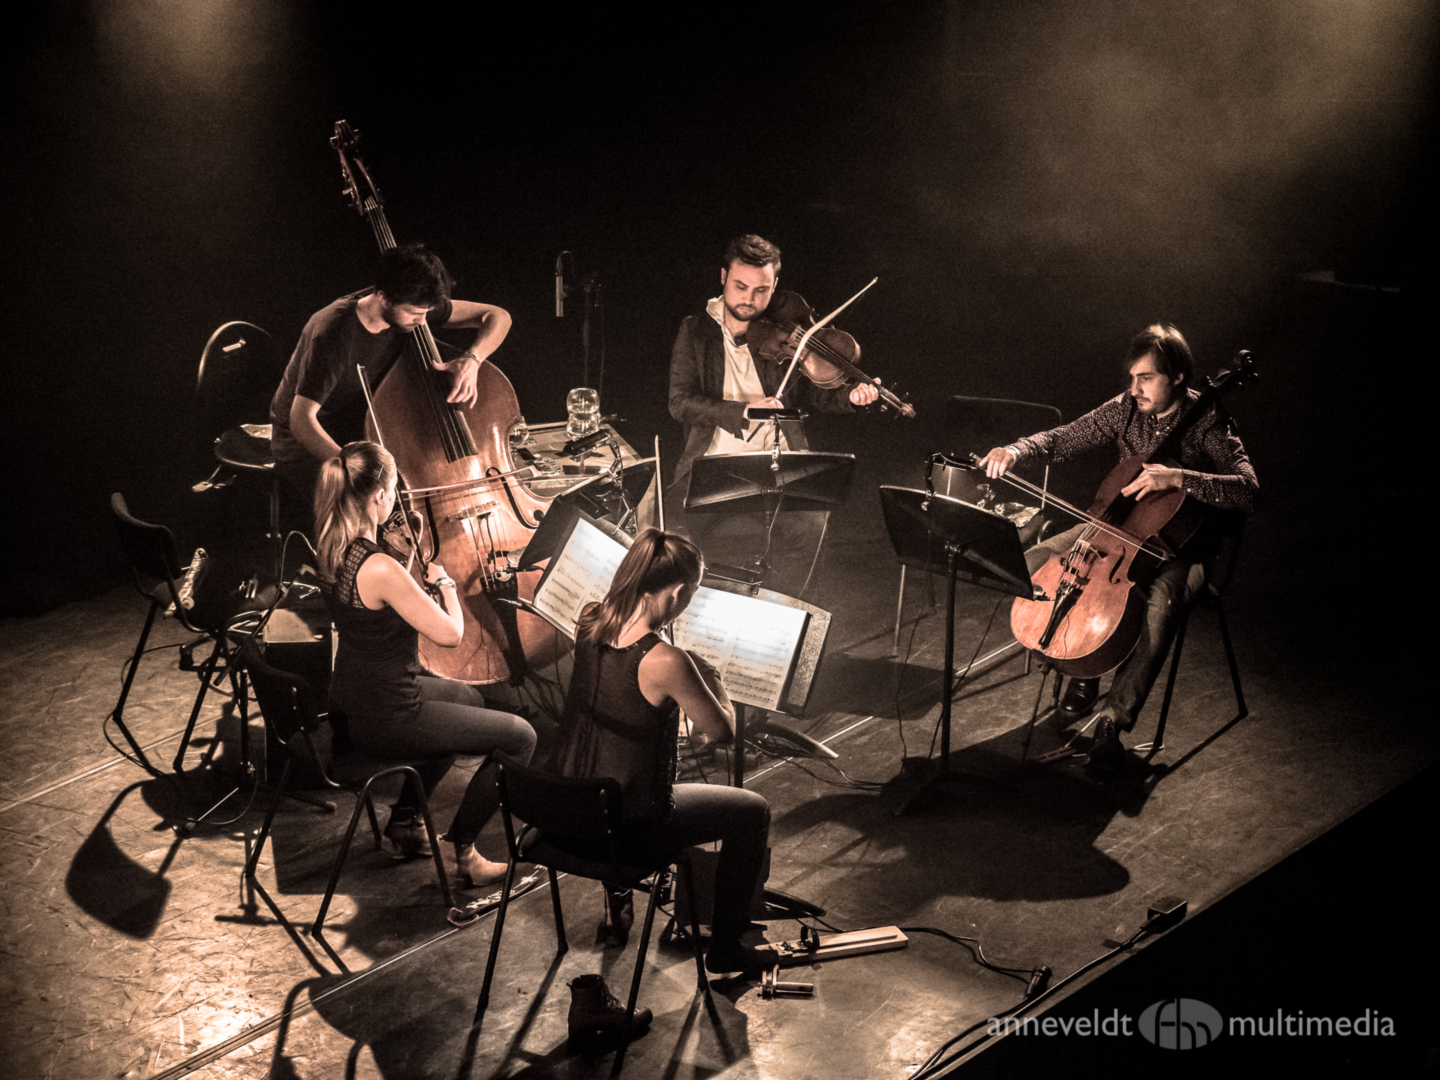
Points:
point(616, 918)
point(475, 870)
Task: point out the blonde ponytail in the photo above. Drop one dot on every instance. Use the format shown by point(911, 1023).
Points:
point(346, 484)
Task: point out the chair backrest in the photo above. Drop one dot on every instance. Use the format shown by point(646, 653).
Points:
point(239, 368)
point(150, 549)
point(981, 423)
point(584, 809)
point(288, 704)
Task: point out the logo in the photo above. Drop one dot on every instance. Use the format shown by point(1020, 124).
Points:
point(1181, 1024)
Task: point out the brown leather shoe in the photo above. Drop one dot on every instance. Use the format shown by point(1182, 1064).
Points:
point(405, 835)
point(475, 870)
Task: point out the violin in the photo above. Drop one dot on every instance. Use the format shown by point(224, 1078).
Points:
point(1091, 611)
point(830, 358)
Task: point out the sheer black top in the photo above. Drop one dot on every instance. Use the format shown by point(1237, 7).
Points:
point(609, 729)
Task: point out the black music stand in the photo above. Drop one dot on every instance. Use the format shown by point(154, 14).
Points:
point(941, 535)
point(769, 481)
point(805, 479)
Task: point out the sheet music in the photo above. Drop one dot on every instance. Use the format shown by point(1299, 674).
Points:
point(751, 642)
point(581, 575)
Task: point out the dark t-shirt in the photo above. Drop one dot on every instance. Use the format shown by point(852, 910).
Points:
point(323, 366)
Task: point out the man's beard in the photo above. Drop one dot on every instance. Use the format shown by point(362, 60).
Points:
point(739, 317)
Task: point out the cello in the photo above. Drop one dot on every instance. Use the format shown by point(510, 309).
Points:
point(462, 482)
point(1092, 608)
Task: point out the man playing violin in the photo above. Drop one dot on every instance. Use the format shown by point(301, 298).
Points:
point(1213, 469)
point(320, 404)
point(715, 381)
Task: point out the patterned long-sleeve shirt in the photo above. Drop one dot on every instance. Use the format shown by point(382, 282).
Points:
point(1216, 470)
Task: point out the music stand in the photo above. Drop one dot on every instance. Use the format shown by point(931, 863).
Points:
point(797, 687)
point(938, 534)
point(789, 480)
point(769, 481)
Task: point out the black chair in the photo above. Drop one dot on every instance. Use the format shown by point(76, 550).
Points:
point(292, 714)
point(175, 590)
point(1217, 584)
point(572, 827)
point(239, 369)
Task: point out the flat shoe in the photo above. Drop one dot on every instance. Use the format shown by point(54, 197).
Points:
point(1079, 698)
point(475, 870)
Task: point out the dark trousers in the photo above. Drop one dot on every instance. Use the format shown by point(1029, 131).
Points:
point(1167, 596)
point(452, 720)
point(705, 813)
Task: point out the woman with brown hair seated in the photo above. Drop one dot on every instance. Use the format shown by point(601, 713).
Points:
point(621, 720)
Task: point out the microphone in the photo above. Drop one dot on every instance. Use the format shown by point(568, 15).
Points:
point(585, 442)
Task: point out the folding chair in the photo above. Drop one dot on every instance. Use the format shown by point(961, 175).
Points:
point(292, 714)
point(572, 827)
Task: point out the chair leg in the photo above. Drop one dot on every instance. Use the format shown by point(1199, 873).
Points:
point(483, 1002)
point(206, 674)
point(429, 832)
point(1230, 657)
point(562, 943)
point(1158, 742)
point(688, 874)
point(118, 715)
point(254, 860)
point(640, 954)
point(318, 925)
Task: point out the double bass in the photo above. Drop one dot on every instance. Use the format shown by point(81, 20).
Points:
point(1093, 606)
point(460, 479)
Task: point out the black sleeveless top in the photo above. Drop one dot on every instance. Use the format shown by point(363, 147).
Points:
point(609, 729)
point(377, 658)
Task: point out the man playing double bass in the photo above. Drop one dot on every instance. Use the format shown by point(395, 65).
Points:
point(1214, 469)
point(319, 404)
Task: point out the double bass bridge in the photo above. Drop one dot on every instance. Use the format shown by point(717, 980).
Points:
point(474, 511)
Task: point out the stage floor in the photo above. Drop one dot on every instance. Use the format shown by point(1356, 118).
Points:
point(131, 951)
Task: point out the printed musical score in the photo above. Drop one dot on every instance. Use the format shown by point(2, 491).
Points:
point(752, 642)
point(580, 575)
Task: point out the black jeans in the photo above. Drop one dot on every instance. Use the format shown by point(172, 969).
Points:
point(704, 813)
point(1168, 595)
point(452, 719)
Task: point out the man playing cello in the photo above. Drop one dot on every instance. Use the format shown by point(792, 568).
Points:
point(319, 403)
point(1214, 469)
